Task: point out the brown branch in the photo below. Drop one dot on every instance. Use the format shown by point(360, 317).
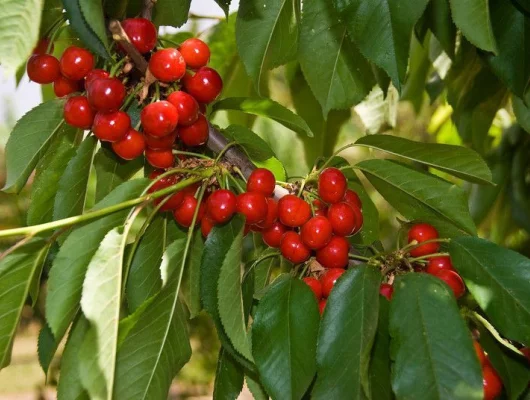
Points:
point(119, 35)
point(147, 9)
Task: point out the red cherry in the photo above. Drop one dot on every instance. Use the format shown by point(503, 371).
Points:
point(491, 383)
point(221, 206)
point(111, 126)
point(164, 142)
point(342, 219)
point(196, 53)
point(106, 94)
point(359, 220)
point(316, 232)
point(205, 85)
point(293, 211)
point(351, 197)
point(163, 158)
point(421, 233)
point(206, 226)
point(386, 290)
point(293, 249)
point(131, 146)
point(315, 285)
point(328, 280)
point(334, 254)
point(64, 86)
point(322, 306)
point(43, 68)
point(42, 47)
point(261, 180)
point(76, 63)
point(77, 112)
point(272, 214)
point(253, 206)
point(526, 352)
point(480, 353)
point(141, 32)
point(167, 65)
point(161, 183)
point(332, 185)
point(273, 235)
point(454, 281)
point(184, 213)
point(187, 107)
point(436, 264)
point(95, 74)
point(320, 209)
point(195, 134)
point(159, 119)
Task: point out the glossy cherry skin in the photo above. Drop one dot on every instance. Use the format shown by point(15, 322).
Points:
point(221, 206)
point(328, 280)
point(160, 158)
point(196, 53)
point(195, 134)
point(273, 235)
point(187, 107)
point(454, 281)
point(161, 183)
point(335, 253)
point(491, 382)
point(261, 180)
point(332, 185)
point(421, 233)
point(205, 85)
point(272, 214)
point(322, 306)
point(167, 65)
point(351, 197)
point(164, 142)
point(293, 249)
point(184, 213)
point(482, 358)
point(141, 32)
point(206, 225)
point(63, 86)
point(359, 219)
point(316, 233)
point(95, 74)
point(253, 206)
point(76, 63)
point(342, 218)
point(386, 290)
point(42, 47)
point(111, 126)
point(132, 145)
point(43, 68)
point(436, 264)
point(77, 112)
point(315, 285)
point(293, 211)
point(106, 94)
point(159, 119)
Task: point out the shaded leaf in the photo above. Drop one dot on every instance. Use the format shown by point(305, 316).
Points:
point(225, 5)
point(193, 274)
point(52, 10)
point(171, 13)
point(438, 16)
point(255, 387)
point(473, 19)
point(92, 11)
point(522, 112)
point(379, 370)
point(228, 377)
point(46, 348)
point(255, 146)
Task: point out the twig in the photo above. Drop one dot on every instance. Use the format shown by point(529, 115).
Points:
point(119, 35)
point(147, 9)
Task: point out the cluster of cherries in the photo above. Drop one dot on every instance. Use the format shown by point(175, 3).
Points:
point(98, 98)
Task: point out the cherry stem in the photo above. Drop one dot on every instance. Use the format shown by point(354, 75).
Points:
point(197, 16)
point(235, 182)
point(477, 317)
point(358, 257)
point(163, 39)
point(304, 270)
point(259, 261)
point(427, 256)
point(415, 244)
point(189, 153)
point(224, 150)
point(336, 153)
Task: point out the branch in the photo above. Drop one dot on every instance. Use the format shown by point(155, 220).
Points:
point(119, 35)
point(147, 9)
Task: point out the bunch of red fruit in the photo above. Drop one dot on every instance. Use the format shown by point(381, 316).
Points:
point(102, 99)
point(491, 382)
point(322, 287)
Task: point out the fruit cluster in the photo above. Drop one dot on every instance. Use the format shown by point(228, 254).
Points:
point(99, 98)
point(491, 382)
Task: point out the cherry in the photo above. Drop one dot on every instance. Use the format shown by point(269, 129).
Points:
point(63, 86)
point(315, 285)
point(335, 253)
point(342, 218)
point(272, 214)
point(205, 85)
point(386, 290)
point(359, 220)
point(162, 183)
point(184, 213)
point(436, 264)
point(273, 235)
point(95, 74)
point(253, 206)
point(163, 158)
point(76, 63)
point(351, 197)
point(221, 206)
point(293, 249)
point(322, 306)
point(167, 65)
point(187, 107)
point(480, 353)
point(491, 383)
point(332, 185)
point(42, 47)
point(316, 232)
point(454, 281)
point(132, 145)
point(526, 352)
point(111, 126)
point(320, 208)
point(77, 112)
point(421, 233)
point(195, 134)
point(159, 118)
point(261, 180)
point(328, 280)
point(106, 94)
point(196, 53)
point(206, 226)
point(164, 142)
point(141, 32)
point(43, 68)
point(293, 211)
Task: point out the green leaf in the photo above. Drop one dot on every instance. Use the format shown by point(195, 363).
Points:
point(417, 194)
point(171, 13)
point(284, 337)
point(522, 113)
point(91, 374)
point(255, 146)
point(92, 11)
point(256, 388)
point(339, 76)
point(193, 275)
point(429, 338)
point(19, 29)
point(228, 377)
point(379, 370)
point(498, 279)
point(73, 184)
point(473, 19)
point(17, 270)
point(419, 68)
point(46, 348)
point(266, 35)
point(223, 48)
point(389, 24)
point(265, 108)
point(225, 5)
point(343, 358)
point(455, 160)
point(438, 16)
point(29, 140)
point(68, 271)
point(52, 10)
